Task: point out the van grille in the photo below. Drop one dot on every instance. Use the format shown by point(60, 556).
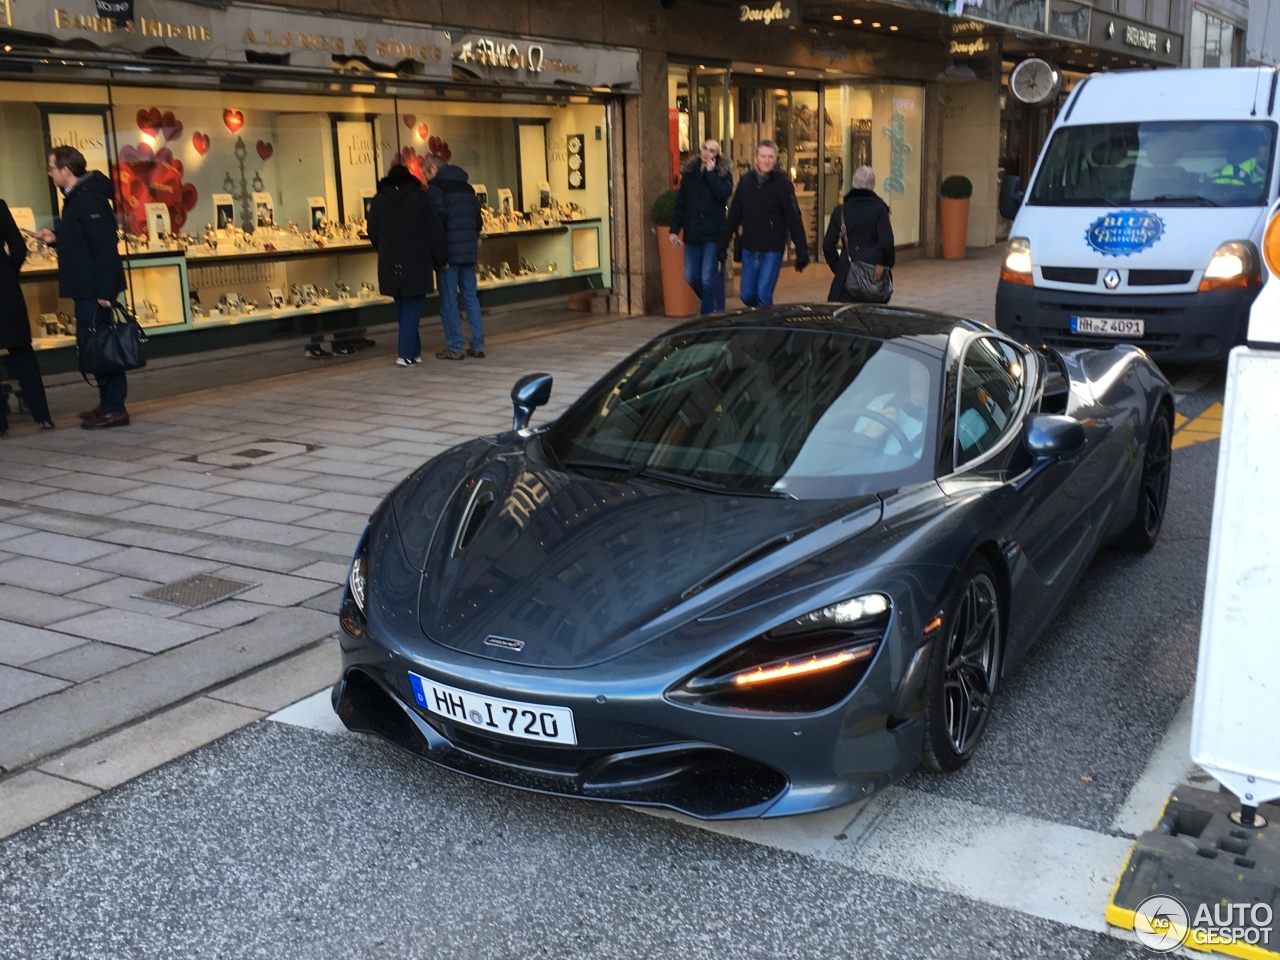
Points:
point(1159, 278)
point(1070, 275)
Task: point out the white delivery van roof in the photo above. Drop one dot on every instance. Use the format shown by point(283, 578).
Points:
point(1228, 93)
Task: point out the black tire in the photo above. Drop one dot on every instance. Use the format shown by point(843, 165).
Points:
point(1153, 489)
point(964, 667)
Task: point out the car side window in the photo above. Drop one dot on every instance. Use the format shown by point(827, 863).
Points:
point(990, 388)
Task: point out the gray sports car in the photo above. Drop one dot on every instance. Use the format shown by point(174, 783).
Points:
point(768, 564)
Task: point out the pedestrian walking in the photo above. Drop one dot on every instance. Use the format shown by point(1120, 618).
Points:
point(863, 218)
point(406, 231)
point(15, 326)
point(765, 208)
point(459, 208)
point(90, 271)
point(706, 183)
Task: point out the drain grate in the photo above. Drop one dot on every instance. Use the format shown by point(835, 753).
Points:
point(196, 592)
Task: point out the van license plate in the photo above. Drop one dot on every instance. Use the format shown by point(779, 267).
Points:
point(1108, 326)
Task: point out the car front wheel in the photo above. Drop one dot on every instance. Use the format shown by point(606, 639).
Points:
point(963, 669)
point(1153, 493)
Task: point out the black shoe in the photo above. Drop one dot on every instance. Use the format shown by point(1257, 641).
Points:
point(345, 347)
point(478, 354)
point(107, 420)
point(450, 355)
point(315, 351)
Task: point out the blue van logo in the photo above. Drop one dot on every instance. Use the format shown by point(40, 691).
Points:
point(1124, 232)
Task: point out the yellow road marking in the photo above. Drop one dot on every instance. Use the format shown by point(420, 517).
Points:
point(1207, 426)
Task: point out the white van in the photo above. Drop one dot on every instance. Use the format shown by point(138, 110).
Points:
point(1144, 217)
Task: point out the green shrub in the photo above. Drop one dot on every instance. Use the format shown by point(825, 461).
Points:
point(957, 187)
point(664, 208)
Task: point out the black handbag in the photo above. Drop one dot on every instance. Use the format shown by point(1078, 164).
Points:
point(112, 344)
point(860, 281)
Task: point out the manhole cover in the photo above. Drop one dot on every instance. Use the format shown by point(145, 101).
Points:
point(258, 453)
point(196, 592)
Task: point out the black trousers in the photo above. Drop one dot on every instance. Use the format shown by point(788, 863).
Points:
point(22, 362)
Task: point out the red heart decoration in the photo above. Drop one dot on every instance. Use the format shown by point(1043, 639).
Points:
point(433, 144)
point(234, 119)
point(265, 150)
point(149, 121)
point(445, 153)
point(128, 153)
point(170, 126)
point(189, 196)
point(144, 153)
point(409, 120)
point(198, 140)
point(422, 131)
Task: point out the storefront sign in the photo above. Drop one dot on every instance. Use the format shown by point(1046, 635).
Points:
point(358, 164)
point(960, 28)
point(1136, 39)
point(87, 132)
point(297, 39)
point(770, 14)
point(899, 151)
point(969, 48)
point(538, 62)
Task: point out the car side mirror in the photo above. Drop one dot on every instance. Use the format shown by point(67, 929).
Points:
point(1053, 436)
point(1011, 194)
point(530, 392)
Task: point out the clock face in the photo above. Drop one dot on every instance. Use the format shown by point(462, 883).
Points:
point(1034, 81)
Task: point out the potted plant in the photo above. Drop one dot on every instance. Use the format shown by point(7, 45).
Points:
point(678, 299)
point(953, 215)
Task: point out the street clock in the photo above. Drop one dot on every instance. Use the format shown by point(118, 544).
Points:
point(1035, 81)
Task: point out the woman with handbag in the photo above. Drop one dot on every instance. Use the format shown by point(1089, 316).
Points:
point(15, 326)
point(858, 245)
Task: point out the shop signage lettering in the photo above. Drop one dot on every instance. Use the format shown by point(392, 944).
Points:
point(899, 150)
point(295, 41)
point(959, 27)
point(766, 14)
point(969, 49)
point(71, 137)
point(360, 152)
point(144, 26)
point(121, 11)
point(397, 50)
point(1137, 37)
point(503, 53)
point(6, 14)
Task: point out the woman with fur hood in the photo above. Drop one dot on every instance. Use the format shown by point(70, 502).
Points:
point(706, 182)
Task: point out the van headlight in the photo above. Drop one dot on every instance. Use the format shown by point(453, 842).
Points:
point(1017, 261)
point(1235, 264)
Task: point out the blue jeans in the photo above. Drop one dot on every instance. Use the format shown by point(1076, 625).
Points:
point(759, 276)
point(409, 313)
point(701, 272)
point(112, 387)
point(458, 287)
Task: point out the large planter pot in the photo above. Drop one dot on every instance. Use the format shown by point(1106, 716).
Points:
point(953, 216)
point(678, 299)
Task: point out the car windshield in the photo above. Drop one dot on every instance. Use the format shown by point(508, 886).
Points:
point(1216, 163)
point(764, 411)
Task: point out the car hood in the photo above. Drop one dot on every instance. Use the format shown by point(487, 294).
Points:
point(532, 565)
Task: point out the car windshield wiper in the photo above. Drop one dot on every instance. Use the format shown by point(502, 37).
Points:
point(1192, 198)
point(643, 471)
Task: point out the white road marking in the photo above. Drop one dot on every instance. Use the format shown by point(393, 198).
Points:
point(1050, 870)
point(314, 713)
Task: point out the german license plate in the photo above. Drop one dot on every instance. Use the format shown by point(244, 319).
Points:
point(1108, 326)
point(514, 718)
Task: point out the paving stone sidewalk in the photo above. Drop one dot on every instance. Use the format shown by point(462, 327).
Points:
point(264, 484)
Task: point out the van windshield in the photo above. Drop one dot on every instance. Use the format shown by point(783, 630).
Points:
point(1218, 163)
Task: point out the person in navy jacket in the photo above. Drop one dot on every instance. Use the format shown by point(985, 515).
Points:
point(706, 183)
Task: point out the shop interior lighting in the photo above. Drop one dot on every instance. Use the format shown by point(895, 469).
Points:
point(894, 28)
point(876, 24)
point(857, 22)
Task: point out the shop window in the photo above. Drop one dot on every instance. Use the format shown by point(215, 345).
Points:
point(1213, 41)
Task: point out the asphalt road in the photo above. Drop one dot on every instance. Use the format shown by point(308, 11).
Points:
point(287, 839)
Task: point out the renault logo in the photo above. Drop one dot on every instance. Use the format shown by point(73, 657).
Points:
point(1111, 279)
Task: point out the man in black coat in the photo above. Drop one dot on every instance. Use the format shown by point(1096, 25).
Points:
point(409, 238)
point(90, 271)
point(456, 202)
point(766, 208)
point(706, 182)
point(15, 326)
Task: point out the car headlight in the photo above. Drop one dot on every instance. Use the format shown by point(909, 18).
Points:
point(1233, 265)
point(803, 665)
point(353, 613)
point(1017, 261)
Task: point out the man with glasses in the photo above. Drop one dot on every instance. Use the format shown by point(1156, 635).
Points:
point(765, 208)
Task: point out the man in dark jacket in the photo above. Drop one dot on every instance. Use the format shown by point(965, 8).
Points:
point(705, 185)
point(90, 272)
point(456, 202)
point(765, 206)
point(15, 326)
point(406, 231)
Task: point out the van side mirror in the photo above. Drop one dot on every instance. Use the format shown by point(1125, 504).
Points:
point(530, 392)
point(1010, 196)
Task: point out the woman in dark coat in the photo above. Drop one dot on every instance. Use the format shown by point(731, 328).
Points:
point(15, 327)
point(866, 220)
point(407, 233)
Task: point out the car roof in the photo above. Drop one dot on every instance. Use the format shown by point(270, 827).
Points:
point(922, 329)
